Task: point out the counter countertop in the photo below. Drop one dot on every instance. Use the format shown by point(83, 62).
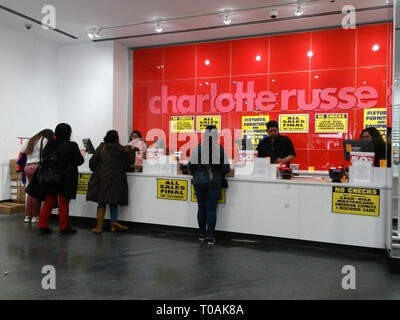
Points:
point(311, 180)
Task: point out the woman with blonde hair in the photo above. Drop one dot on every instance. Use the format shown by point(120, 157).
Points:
point(33, 149)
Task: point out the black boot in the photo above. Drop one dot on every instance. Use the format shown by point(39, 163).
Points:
point(44, 231)
point(67, 232)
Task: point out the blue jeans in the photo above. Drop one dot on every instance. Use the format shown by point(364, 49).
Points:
point(113, 211)
point(207, 199)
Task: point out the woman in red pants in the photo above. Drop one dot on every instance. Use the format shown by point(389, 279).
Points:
point(68, 158)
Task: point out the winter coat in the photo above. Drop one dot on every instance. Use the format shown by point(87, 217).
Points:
point(108, 183)
point(70, 158)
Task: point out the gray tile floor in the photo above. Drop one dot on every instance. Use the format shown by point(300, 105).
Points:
point(158, 264)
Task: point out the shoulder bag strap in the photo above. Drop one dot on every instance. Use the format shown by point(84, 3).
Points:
point(40, 151)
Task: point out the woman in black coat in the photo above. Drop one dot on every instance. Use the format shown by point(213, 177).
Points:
point(67, 157)
point(108, 183)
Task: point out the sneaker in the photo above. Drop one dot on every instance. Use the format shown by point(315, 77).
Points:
point(202, 237)
point(35, 219)
point(68, 231)
point(210, 241)
point(27, 219)
point(44, 231)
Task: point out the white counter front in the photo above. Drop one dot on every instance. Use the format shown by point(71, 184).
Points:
point(295, 209)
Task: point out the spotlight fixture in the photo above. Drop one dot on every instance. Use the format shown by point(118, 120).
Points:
point(299, 11)
point(95, 33)
point(227, 20)
point(158, 28)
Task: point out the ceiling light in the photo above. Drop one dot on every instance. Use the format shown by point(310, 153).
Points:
point(310, 54)
point(375, 47)
point(227, 20)
point(94, 33)
point(207, 62)
point(299, 11)
point(258, 58)
point(158, 28)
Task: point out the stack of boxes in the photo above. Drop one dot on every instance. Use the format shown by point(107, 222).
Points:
point(17, 203)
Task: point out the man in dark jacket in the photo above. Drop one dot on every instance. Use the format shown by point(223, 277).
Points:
point(279, 148)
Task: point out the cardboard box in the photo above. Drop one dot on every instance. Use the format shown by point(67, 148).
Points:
point(18, 194)
point(15, 177)
point(13, 164)
point(11, 207)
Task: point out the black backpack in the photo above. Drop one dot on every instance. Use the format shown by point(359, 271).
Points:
point(51, 170)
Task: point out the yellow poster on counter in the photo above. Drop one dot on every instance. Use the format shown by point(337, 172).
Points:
point(359, 201)
point(204, 121)
point(182, 124)
point(377, 118)
point(254, 128)
point(221, 198)
point(331, 123)
point(83, 181)
point(172, 189)
point(294, 123)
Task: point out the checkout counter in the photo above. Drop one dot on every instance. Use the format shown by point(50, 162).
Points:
point(307, 206)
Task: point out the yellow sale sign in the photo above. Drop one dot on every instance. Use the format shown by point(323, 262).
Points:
point(204, 121)
point(294, 123)
point(172, 189)
point(83, 181)
point(331, 123)
point(182, 124)
point(360, 201)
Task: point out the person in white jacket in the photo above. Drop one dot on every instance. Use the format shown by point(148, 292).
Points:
point(33, 148)
point(139, 145)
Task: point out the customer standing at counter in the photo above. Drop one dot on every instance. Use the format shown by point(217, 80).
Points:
point(68, 157)
point(279, 148)
point(108, 183)
point(208, 165)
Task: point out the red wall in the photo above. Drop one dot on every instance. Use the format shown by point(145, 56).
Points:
point(341, 58)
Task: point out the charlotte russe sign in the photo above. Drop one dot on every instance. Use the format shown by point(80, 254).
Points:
point(364, 97)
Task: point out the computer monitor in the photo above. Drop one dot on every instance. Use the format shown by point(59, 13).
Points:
point(361, 145)
point(88, 146)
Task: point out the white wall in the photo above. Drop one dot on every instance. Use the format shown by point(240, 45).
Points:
point(84, 85)
point(85, 91)
point(120, 92)
point(28, 88)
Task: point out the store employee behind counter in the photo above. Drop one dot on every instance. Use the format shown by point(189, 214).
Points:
point(279, 148)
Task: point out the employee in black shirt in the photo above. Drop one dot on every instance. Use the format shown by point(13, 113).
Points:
point(279, 148)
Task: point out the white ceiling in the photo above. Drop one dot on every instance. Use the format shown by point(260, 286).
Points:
point(77, 17)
